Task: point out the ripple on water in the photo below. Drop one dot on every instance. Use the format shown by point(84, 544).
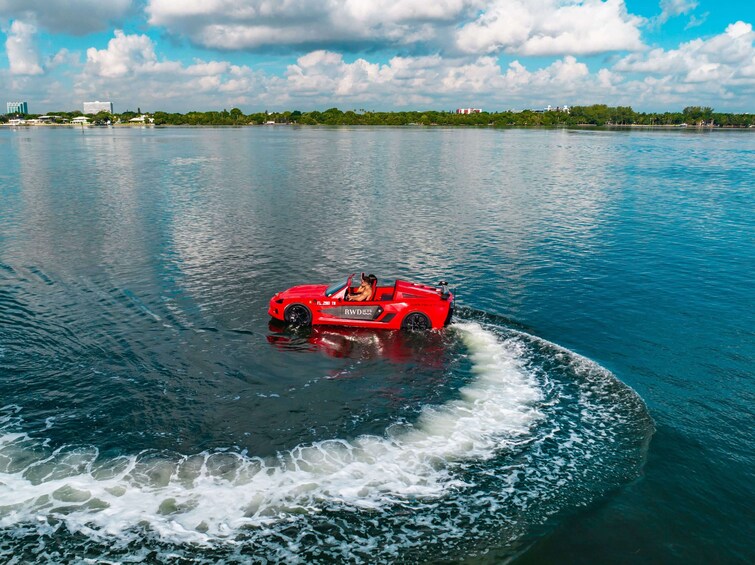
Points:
point(536, 431)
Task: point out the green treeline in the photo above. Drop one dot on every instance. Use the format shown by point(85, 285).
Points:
point(595, 115)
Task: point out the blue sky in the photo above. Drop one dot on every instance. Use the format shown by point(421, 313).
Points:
point(182, 55)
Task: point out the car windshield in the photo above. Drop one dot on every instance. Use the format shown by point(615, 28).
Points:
point(340, 285)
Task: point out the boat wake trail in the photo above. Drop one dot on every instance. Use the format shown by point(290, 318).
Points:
point(535, 431)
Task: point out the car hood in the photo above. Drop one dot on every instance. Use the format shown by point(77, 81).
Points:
point(303, 291)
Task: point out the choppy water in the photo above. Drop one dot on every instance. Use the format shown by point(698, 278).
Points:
point(150, 411)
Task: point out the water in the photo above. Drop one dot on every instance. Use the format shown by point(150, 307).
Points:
point(592, 402)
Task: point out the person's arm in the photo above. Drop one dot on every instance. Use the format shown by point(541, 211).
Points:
point(363, 294)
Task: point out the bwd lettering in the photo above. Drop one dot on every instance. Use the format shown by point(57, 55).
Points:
point(358, 312)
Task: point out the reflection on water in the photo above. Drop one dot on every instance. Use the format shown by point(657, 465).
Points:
point(237, 207)
point(400, 347)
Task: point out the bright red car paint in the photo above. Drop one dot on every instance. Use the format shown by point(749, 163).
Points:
point(400, 305)
point(344, 342)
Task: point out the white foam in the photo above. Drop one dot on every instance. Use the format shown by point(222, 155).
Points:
point(210, 496)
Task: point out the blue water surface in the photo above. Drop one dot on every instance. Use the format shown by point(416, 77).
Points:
point(135, 270)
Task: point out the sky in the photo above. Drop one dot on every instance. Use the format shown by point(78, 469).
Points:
point(377, 55)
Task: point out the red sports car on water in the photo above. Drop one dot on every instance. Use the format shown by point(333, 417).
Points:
point(401, 305)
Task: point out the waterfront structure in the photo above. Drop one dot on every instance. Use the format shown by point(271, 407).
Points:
point(17, 108)
point(143, 119)
point(550, 108)
point(97, 106)
point(468, 110)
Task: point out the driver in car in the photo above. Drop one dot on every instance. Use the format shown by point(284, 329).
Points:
point(364, 292)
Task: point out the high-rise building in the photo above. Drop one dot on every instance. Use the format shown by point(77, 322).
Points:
point(17, 108)
point(97, 106)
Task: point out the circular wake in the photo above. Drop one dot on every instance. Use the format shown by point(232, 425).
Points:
point(536, 431)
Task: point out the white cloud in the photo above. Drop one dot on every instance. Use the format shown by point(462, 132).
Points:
point(532, 27)
point(77, 17)
point(564, 79)
point(325, 74)
point(130, 70)
point(552, 27)
point(431, 79)
point(718, 71)
point(22, 52)
point(703, 71)
point(698, 72)
point(230, 24)
point(62, 58)
point(673, 8)
point(304, 12)
point(718, 59)
point(695, 21)
point(608, 80)
point(124, 54)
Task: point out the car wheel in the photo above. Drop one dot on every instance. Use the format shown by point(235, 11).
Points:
point(416, 322)
point(297, 315)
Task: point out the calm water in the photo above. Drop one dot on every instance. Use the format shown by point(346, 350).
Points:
point(592, 402)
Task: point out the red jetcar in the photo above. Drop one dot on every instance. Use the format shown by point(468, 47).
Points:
point(402, 305)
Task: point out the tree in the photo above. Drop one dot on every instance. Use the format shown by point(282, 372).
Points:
point(102, 117)
point(697, 114)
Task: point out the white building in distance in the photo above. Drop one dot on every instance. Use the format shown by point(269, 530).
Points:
point(97, 106)
point(468, 110)
point(17, 108)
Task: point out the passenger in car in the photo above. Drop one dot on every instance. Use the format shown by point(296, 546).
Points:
point(365, 290)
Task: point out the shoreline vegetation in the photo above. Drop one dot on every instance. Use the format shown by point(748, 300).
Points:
point(598, 115)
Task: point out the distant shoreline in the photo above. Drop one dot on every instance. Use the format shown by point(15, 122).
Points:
point(662, 127)
point(596, 115)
